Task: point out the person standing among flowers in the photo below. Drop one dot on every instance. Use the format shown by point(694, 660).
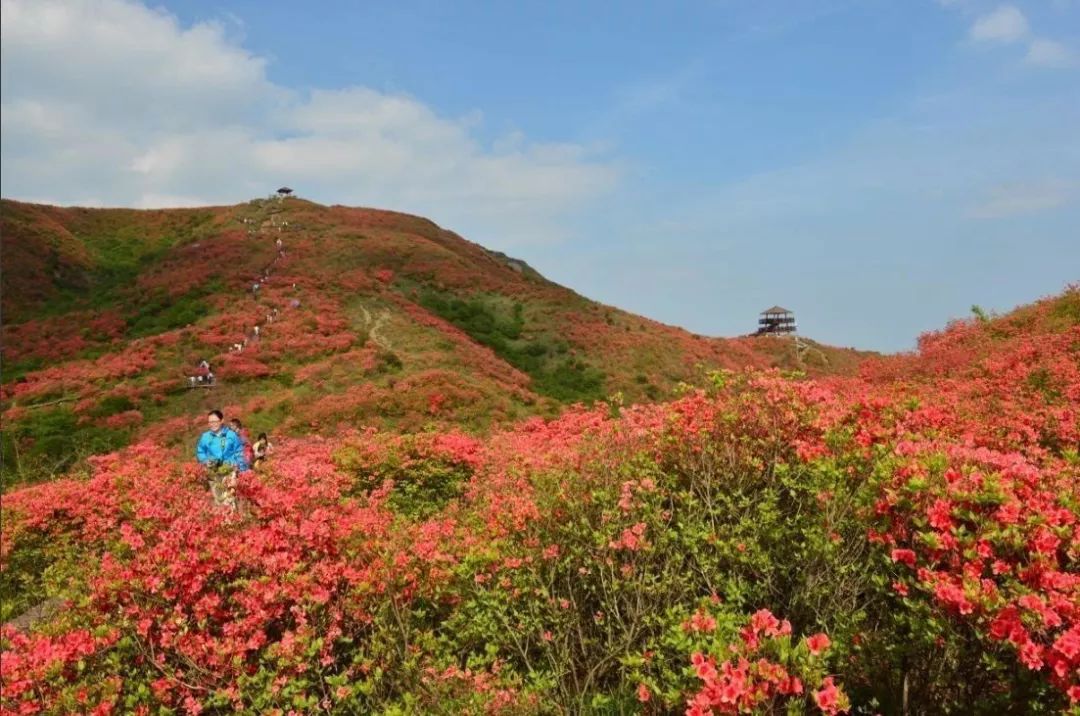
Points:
point(262, 448)
point(222, 453)
point(245, 440)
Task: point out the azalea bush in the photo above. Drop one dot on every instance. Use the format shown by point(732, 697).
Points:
point(907, 539)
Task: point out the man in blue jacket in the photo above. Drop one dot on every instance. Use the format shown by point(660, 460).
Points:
point(222, 452)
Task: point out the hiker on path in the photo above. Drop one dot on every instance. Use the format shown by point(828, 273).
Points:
point(245, 439)
point(221, 452)
point(220, 445)
point(262, 449)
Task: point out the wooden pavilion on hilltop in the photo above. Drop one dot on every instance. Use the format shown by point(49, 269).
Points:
point(775, 320)
point(284, 192)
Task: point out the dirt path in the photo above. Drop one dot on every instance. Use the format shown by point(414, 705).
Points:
point(36, 613)
point(373, 327)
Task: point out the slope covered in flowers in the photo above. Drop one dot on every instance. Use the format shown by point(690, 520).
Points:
point(903, 540)
point(366, 317)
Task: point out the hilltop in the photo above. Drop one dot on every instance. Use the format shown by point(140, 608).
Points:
point(382, 319)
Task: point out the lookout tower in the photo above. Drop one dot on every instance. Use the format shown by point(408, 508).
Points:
point(283, 192)
point(776, 320)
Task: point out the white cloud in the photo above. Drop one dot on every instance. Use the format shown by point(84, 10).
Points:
point(1005, 24)
point(120, 101)
point(1017, 199)
point(1048, 53)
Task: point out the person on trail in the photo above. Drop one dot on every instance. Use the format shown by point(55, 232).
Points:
point(220, 445)
point(192, 379)
point(255, 288)
point(221, 452)
point(262, 449)
point(238, 428)
point(210, 378)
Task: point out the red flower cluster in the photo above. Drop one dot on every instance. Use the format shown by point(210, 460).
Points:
point(763, 672)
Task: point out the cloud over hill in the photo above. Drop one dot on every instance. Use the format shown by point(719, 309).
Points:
point(117, 104)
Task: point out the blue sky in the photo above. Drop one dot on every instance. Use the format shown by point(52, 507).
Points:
point(876, 166)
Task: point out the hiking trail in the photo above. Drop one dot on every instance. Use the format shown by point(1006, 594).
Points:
point(373, 327)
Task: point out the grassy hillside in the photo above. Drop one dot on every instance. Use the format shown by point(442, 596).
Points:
point(902, 540)
point(382, 319)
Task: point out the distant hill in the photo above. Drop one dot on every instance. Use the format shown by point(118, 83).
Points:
point(381, 319)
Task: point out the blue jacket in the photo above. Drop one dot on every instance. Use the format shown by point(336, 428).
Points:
point(225, 446)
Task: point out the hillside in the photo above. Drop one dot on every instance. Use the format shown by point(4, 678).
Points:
point(903, 540)
point(367, 317)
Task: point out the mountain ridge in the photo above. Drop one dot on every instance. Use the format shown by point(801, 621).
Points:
point(399, 323)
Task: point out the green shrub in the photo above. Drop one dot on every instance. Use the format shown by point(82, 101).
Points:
point(159, 313)
point(49, 442)
point(423, 484)
point(111, 405)
point(565, 380)
point(570, 381)
point(12, 371)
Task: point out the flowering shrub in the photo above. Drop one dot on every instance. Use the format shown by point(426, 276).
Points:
point(761, 670)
